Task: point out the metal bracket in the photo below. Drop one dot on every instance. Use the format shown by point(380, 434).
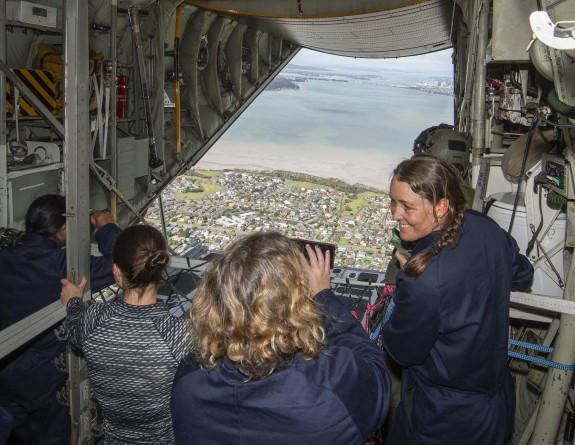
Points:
point(550, 33)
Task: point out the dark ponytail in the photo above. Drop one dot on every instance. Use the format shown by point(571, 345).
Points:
point(434, 179)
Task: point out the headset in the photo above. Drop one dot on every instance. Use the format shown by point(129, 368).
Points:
point(445, 142)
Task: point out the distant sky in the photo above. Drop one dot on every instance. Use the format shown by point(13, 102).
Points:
point(438, 63)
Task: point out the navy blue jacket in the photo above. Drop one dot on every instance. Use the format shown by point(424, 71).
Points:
point(449, 330)
point(339, 398)
point(30, 279)
point(30, 275)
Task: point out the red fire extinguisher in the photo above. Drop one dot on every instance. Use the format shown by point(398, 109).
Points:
point(122, 97)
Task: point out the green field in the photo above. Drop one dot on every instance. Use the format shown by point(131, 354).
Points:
point(211, 173)
point(355, 204)
point(343, 242)
point(208, 187)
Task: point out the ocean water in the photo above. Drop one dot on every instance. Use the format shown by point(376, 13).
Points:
point(356, 123)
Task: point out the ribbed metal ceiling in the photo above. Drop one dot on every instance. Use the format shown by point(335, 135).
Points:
point(370, 29)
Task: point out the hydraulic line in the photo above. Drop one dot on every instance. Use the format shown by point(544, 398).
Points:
point(163, 217)
point(154, 160)
point(177, 80)
point(114, 207)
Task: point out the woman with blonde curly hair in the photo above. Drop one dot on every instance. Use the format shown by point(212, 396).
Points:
point(277, 358)
point(449, 326)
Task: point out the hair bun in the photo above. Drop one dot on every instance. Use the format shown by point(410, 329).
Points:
point(157, 260)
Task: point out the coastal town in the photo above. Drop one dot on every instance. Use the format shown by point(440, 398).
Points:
point(442, 86)
point(291, 78)
point(214, 207)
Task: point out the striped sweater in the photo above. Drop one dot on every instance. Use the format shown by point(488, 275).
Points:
point(132, 354)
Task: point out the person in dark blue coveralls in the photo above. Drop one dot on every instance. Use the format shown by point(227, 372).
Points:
point(449, 328)
point(30, 280)
point(278, 358)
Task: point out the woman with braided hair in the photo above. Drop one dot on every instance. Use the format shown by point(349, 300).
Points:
point(132, 345)
point(448, 330)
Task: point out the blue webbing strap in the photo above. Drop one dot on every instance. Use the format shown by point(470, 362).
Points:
point(541, 361)
point(375, 333)
point(513, 354)
point(538, 360)
point(389, 310)
point(530, 346)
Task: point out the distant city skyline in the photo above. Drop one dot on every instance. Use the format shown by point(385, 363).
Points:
point(438, 63)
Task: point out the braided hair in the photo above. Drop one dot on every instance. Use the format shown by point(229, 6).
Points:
point(434, 179)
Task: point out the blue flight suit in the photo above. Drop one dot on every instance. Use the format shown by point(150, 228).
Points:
point(30, 275)
point(449, 330)
point(341, 397)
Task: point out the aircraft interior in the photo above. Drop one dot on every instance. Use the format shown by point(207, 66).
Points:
point(107, 102)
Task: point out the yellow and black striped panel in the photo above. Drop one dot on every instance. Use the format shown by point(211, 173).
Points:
point(41, 83)
point(24, 108)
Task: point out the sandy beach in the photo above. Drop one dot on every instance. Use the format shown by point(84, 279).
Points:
point(373, 170)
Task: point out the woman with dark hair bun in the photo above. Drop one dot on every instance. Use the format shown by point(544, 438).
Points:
point(132, 345)
point(449, 327)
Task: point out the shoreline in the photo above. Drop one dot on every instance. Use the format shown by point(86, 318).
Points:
point(324, 162)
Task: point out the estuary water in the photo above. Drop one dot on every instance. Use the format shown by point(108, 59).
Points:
point(333, 126)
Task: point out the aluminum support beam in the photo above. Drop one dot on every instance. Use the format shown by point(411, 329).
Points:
point(76, 183)
point(3, 143)
point(113, 99)
point(478, 104)
point(77, 138)
point(552, 402)
point(26, 329)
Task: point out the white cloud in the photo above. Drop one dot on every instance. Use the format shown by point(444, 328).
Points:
point(434, 63)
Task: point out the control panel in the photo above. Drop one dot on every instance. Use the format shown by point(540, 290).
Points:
point(558, 175)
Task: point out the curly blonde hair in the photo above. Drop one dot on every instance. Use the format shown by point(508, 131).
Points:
point(433, 179)
point(254, 306)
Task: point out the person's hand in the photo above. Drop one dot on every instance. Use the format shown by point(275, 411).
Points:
point(317, 269)
point(100, 218)
point(402, 260)
point(69, 290)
